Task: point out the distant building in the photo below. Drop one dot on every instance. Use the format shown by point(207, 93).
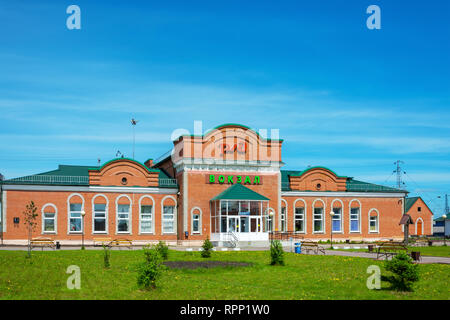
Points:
point(439, 225)
point(419, 212)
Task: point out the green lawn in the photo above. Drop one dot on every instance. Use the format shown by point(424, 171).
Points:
point(436, 251)
point(303, 277)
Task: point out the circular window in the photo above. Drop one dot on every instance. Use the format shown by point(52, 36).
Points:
point(318, 186)
point(124, 180)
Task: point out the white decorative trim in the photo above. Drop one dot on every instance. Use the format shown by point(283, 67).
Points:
point(378, 221)
point(68, 214)
point(56, 219)
point(305, 224)
point(415, 225)
point(285, 214)
point(100, 189)
point(341, 194)
point(185, 202)
point(349, 216)
point(175, 215)
point(324, 224)
point(130, 215)
point(106, 214)
point(153, 215)
point(199, 223)
point(342, 216)
point(4, 207)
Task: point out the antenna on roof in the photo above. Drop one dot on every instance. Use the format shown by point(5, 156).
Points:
point(399, 171)
point(98, 161)
point(118, 154)
point(133, 124)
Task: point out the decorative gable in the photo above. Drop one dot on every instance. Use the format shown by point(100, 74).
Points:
point(124, 172)
point(317, 179)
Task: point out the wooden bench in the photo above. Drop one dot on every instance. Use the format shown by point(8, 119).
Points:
point(42, 243)
point(122, 243)
point(100, 242)
point(390, 249)
point(311, 246)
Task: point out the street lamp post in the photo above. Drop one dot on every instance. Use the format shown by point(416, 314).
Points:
point(83, 213)
point(331, 228)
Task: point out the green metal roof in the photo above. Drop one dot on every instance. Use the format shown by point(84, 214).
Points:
point(409, 202)
point(239, 192)
point(69, 175)
point(129, 159)
point(351, 184)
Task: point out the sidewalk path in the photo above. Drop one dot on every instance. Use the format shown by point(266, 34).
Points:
point(424, 259)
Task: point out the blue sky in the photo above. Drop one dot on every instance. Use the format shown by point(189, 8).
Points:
point(343, 96)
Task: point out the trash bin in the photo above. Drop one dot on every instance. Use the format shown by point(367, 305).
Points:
point(370, 247)
point(415, 255)
point(298, 247)
point(58, 245)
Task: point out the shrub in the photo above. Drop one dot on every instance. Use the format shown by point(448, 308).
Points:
point(106, 255)
point(207, 248)
point(163, 250)
point(276, 253)
point(150, 270)
point(405, 273)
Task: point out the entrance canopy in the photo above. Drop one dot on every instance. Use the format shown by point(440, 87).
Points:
point(240, 192)
point(242, 211)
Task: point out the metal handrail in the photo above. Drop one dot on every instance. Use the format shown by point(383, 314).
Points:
point(167, 182)
point(285, 235)
point(53, 179)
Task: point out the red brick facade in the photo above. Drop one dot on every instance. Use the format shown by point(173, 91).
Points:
point(229, 151)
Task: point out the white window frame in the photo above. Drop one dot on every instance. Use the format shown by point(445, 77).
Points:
point(283, 222)
point(341, 215)
point(324, 209)
point(152, 215)
point(106, 214)
point(378, 221)
point(423, 226)
point(350, 216)
point(333, 218)
point(305, 225)
point(69, 214)
point(200, 215)
point(130, 214)
point(174, 215)
point(55, 218)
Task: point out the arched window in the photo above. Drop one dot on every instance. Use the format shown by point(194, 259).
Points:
point(283, 218)
point(318, 216)
point(123, 214)
point(373, 221)
point(100, 214)
point(146, 220)
point(168, 205)
point(299, 216)
point(196, 216)
point(75, 209)
point(270, 216)
point(355, 215)
point(337, 206)
point(49, 216)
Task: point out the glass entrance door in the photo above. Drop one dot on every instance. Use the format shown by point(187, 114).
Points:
point(244, 224)
point(233, 224)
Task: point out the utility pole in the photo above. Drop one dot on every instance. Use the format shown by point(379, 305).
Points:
point(133, 124)
point(446, 210)
point(398, 171)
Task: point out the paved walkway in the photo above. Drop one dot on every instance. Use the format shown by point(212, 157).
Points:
point(424, 259)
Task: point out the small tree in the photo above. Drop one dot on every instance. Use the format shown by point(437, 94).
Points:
point(30, 216)
point(150, 270)
point(163, 250)
point(106, 256)
point(404, 271)
point(207, 248)
point(276, 253)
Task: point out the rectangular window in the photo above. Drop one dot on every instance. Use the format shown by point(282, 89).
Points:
point(337, 220)
point(299, 220)
point(373, 224)
point(318, 219)
point(100, 217)
point(49, 222)
point(75, 217)
point(146, 219)
point(354, 220)
point(168, 219)
point(123, 218)
point(195, 223)
point(283, 218)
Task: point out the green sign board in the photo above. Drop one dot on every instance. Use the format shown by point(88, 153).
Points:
point(232, 179)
